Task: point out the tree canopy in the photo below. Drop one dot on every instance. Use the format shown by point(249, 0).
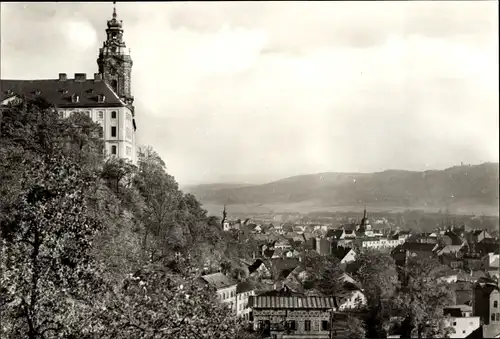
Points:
point(94, 247)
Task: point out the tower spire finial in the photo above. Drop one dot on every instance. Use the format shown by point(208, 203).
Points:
point(114, 9)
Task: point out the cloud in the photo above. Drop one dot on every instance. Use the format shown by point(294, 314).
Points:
point(259, 91)
point(80, 34)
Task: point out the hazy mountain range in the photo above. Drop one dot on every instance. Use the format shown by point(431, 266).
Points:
point(468, 185)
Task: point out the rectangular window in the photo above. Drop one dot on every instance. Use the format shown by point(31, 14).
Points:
point(495, 304)
point(113, 115)
point(129, 150)
point(101, 132)
point(101, 115)
point(292, 325)
point(113, 150)
point(113, 131)
point(307, 325)
point(325, 325)
point(129, 117)
point(87, 113)
point(493, 317)
point(129, 133)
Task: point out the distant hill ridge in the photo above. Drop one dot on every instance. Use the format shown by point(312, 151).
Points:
point(467, 185)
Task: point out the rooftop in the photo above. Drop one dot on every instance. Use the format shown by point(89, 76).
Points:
point(218, 280)
point(62, 92)
point(244, 287)
point(294, 302)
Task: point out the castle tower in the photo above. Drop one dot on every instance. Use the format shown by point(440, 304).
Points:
point(114, 61)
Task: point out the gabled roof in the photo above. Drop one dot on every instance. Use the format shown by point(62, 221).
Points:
point(281, 268)
point(218, 280)
point(340, 251)
point(59, 93)
point(336, 234)
point(450, 249)
point(421, 247)
point(255, 266)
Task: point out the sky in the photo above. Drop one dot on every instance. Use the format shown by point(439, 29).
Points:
point(259, 91)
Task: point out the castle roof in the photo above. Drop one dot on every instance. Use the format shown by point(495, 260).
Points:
point(60, 92)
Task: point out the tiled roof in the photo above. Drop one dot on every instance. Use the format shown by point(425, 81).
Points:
point(415, 246)
point(450, 249)
point(281, 268)
point(218, 280)
point(311, 302)
point(340, 251)
point(252, 268)
point(59, 92)
point(244, 287)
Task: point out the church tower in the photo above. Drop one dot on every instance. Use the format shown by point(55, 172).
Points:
point(114, 61)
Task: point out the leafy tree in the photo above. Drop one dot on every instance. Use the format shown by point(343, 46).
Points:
point(421, 298)
point(378, 276)
point(355, 328)
point(155, 303)
point(118, 172)
point(74, 227)
point(47, 270)
point(330, 281)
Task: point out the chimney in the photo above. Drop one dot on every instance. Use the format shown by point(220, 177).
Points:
point(97, 77)
point(63, 77)
point(80, 76)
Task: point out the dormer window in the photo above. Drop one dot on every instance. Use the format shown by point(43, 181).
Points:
point(101, 98)
point(75, 98)
point(38, 92)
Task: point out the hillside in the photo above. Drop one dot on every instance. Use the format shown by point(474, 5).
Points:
point(460, 185)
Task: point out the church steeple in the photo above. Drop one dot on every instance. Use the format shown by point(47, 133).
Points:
point(114, 62)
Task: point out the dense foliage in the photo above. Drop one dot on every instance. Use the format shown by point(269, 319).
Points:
point(408, 301)
point(93, 248)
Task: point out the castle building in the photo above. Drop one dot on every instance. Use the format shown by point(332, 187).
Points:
point(106, 98)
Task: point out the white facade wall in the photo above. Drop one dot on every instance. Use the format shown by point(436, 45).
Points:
point(124, 140)
point(463, 326)
point(228, 295)
point(242, 309)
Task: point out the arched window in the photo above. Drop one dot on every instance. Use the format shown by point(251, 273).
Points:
point(495, 304)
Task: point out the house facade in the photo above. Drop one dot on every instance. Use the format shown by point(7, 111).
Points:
point(224, 287)
point(289, 317)
point(244, 290)
point(486, 302)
